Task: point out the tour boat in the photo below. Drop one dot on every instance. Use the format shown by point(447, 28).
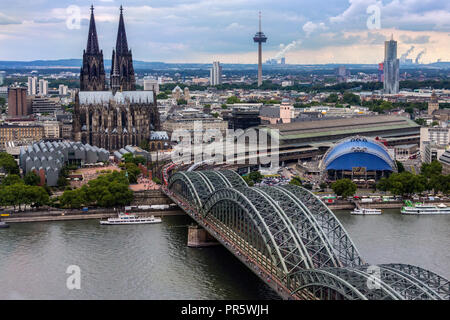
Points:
point(124, 218)
point(366, 211)
point(3, 225)
point(421, 208)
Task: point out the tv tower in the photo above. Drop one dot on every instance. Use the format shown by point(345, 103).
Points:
point(260, 38)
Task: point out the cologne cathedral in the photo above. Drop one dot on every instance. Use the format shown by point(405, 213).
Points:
point(120, 116)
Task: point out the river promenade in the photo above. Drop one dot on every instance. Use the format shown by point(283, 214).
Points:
point(103, 213)
point(63, 215)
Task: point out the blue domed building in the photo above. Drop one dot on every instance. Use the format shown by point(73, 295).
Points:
point(358, 158)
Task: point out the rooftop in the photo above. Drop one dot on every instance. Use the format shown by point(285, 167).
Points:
point(350, 126)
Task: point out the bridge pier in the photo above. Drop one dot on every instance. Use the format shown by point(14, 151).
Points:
point(199, 237)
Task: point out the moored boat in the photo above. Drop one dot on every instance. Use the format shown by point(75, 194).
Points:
point(424, 209)
point(3, 225)
point(366, 211)
point(124, 218)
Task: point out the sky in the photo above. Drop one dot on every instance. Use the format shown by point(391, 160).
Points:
point(202, 31)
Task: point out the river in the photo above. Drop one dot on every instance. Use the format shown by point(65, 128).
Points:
point(153, 261)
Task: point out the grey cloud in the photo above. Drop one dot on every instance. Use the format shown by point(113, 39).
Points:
point(5, 20)
point(417, 40)
point(48, 20)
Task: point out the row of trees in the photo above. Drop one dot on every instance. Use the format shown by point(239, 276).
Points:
point(406, 183)
point(316, 87)
point(347, 98)
point(109, 190)
point(15, 191)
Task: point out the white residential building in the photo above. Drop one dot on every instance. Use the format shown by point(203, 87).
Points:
point(43, 87)
point(215, 74)
point(32, 84)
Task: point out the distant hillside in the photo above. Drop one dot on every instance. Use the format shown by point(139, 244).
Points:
point(76, 63)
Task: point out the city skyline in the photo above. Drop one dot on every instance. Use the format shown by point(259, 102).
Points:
point(196, 31)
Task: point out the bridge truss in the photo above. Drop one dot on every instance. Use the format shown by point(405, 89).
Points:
point(293, 241)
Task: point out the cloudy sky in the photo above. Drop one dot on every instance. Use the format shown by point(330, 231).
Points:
point(305, 31)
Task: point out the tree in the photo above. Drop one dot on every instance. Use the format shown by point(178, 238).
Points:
point(130, 158)
point(73, 199)
point(133, 172)
point(249, 181)
point(162, 96)
point(400, 167)
point(431, 169)
point(255, 176)
point(308, 186)
point(156, 180)
point(344, 187)
point(332, 98)
point(11, 179)
point(420, 121)
point(181, 102)
point(351, 98)
point(21, 194)
point(144, 145)
point(404, 183)
point(323, 185)
point(107, 190)
point(233, 100)
point(296, 181)
point(32, 179)
point(8, 163)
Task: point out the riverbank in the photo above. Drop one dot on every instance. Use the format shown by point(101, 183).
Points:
point(42, 216)
point(346, 205)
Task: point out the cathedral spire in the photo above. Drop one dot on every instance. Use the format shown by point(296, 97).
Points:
point(92, 42)
point(121, 44)
point(115, 75)
point(122, 60)
point(92, 73)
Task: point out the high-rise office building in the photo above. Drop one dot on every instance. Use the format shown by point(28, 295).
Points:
point(215, 74)
point(32, 85)
point(17, 102)
point(2, 77)
point(391, 67)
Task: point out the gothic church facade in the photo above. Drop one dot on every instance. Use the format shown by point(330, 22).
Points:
point(117, 117)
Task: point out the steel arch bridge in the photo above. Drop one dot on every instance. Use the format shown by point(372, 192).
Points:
point(292, 241)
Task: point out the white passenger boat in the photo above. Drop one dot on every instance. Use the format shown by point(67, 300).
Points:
point(124, 218)
point(366, 211)
point(425, 209)
point(3, 225)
